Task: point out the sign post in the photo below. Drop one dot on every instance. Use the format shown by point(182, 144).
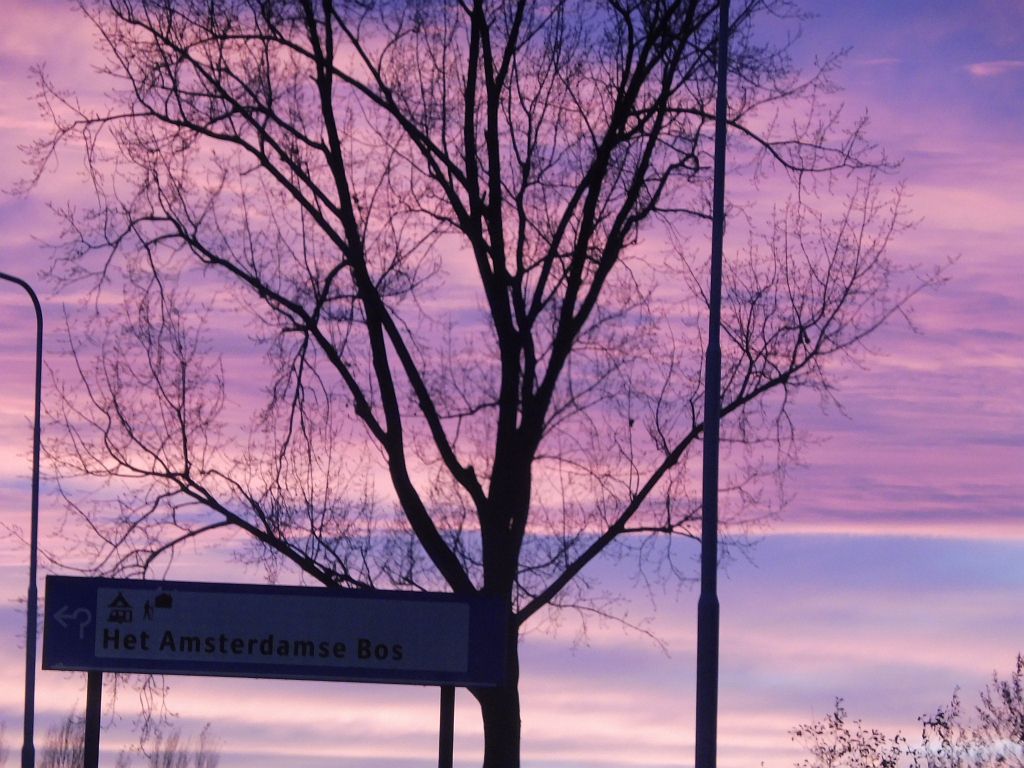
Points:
point(305, 633)
point(93, 699)
point(446, 738)
point(239, 630)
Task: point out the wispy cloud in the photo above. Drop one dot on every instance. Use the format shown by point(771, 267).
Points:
point(881, 61)
point(995, 68)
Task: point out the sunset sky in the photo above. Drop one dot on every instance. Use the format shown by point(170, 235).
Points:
point(894, 574)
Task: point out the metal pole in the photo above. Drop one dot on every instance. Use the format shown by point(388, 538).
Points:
point(93, 700)
point(706, 750)
point(446, 739)
point(28, 750)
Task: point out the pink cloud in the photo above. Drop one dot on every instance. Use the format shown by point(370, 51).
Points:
point(994, 68)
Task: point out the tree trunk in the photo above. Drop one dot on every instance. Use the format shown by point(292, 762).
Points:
point(499, 708)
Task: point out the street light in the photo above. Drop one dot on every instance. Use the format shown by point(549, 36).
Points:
point(706, 748)
point(28, 750)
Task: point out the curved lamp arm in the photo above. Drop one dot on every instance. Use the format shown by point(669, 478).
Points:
point(28, 745)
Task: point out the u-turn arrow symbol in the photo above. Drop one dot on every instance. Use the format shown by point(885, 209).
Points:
point(83, 616)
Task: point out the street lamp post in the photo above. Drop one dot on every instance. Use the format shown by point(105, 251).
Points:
point(706, 748)
point(28, 750)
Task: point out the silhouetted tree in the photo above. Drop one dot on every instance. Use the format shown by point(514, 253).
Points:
point(65, 744)
point(65, 748)
point(468, 237)
point(994, 738)
point(167, 750)
point(836, 741)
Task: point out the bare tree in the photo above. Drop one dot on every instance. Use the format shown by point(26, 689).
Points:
point(65, 744)
point(994, 737)
point(836, 741)
point(168, 750)
point(65, 748)
point(468, 238)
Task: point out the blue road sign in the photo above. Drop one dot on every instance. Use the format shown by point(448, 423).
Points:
point(239, 630)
